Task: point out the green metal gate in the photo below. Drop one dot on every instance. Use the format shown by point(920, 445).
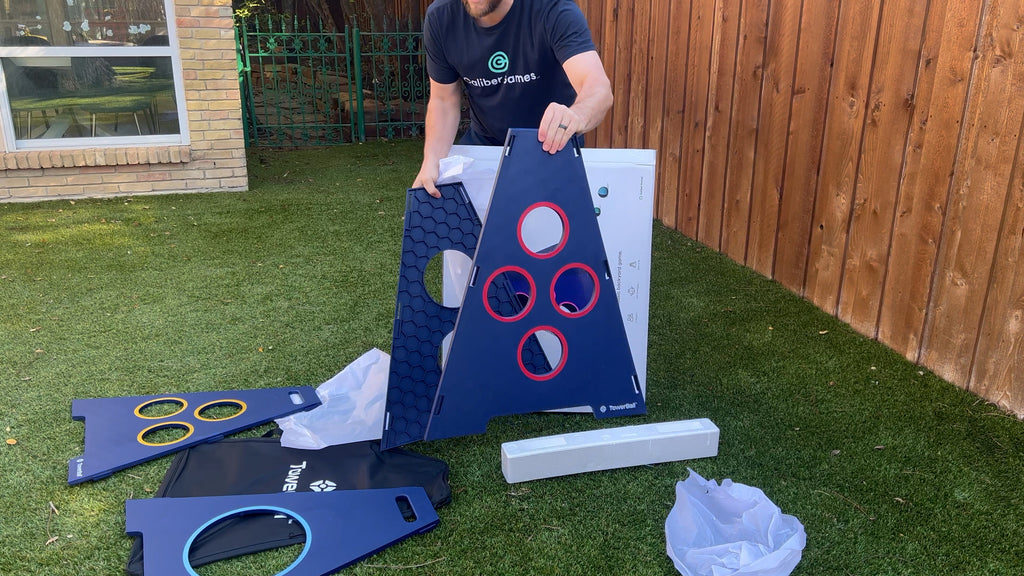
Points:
point(305, 87)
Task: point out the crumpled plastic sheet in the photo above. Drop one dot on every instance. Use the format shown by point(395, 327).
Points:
point(730, 530)
point(476, 177)
point(351, 410)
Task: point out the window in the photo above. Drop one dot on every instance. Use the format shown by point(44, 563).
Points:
point(87, 73)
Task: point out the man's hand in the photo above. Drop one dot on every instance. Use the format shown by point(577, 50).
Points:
point(427, 178)
point(558, 125)
point(593, 99)
point(442, 123)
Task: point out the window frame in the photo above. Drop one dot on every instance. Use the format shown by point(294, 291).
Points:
point(171, 50)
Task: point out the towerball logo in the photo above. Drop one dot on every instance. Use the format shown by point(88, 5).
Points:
point(322, 486)
point(498, 62)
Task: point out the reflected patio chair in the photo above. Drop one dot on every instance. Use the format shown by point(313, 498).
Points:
point(128, 105)
point(26, 81)
point(30, 113)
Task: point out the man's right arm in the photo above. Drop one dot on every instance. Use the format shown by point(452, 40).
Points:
point(442, 123)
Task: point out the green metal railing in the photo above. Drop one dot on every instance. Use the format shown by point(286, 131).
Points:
point(302, 86)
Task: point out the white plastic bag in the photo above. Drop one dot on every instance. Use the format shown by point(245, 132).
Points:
point(351, 409)
point(476, 177)
point(478, 180)
point(732, 529)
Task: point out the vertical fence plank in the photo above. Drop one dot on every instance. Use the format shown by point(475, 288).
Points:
point(889, 111)
point(670, 158)
point(806, 134)
point(856, 36)
point(702, 19)
point(999, 368)
point(637, 115)
point(980, 188)
point(593, 11)
point(940, 98)
point(657, 71)
point(622, 83)
point(770, 154)
point(609, 39)
point(743, 132)
point(716, 139)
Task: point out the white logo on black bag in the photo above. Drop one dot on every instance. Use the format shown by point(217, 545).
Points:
point(322, 486)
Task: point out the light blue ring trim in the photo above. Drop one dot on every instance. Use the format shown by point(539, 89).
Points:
point(239, 512)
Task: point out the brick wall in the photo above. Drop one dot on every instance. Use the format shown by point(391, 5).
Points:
point(214, 159)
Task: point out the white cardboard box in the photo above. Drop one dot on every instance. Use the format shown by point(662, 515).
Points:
point(622, 187)
point(594, 450)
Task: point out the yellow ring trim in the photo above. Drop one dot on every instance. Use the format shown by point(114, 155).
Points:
point(138, 409)
point(241, 408)
point(161, 425)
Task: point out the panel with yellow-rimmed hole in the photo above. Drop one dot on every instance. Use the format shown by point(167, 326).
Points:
point(189, 429)
point(128, 430)
point(237, 404)
point(151, 404)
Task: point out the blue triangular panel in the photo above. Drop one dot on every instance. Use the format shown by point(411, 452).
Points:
point(432, 225)
point(566, 300)
point(117, 430)
point(341, 527)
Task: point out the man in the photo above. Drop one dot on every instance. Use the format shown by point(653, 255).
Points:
point(523, 63)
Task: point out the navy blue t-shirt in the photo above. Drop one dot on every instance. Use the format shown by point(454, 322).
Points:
point(512, 70)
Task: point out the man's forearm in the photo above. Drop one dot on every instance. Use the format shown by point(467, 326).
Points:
point(592, 103)
point(442, 124)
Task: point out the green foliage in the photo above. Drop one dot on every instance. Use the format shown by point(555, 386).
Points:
point(251, 8)
point(891, 470)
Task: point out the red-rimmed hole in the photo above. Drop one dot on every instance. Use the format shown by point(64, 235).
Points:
point(543, 230)
point(509, 293)
point(574, 290)
point(542, 353)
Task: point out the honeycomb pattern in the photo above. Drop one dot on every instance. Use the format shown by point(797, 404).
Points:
point(533, 357)
point(432, 225)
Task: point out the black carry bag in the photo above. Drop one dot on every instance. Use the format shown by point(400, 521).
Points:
point(263, 466)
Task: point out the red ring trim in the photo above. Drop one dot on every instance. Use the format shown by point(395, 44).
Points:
point(565, 229)
point(529, 305)
point(554, 371)
point(593, 300)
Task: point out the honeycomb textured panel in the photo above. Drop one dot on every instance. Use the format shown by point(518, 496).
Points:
point(432, 225)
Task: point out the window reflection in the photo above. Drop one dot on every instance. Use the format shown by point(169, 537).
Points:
point(85, 97)
point(81, 22)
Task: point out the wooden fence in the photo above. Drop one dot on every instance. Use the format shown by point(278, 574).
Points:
point(867, 154)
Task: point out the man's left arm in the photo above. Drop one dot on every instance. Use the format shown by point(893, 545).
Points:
point(593, 100)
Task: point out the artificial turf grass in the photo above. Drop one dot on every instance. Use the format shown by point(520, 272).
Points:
point(288, 283)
